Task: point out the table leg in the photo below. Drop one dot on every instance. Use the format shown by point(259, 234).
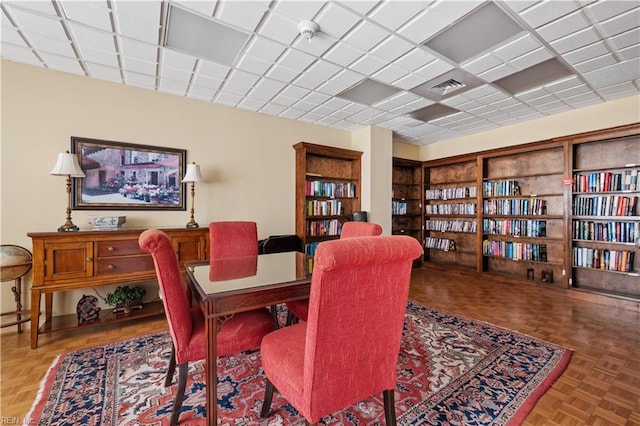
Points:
point(211, 369)
point(48, 306)
point(35, 317)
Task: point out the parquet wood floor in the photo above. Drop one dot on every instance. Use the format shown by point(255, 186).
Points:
point(601, 385)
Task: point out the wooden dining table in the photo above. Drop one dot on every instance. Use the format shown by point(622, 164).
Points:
point(227, 286)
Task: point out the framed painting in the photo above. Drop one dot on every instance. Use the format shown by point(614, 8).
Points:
point(126, 176)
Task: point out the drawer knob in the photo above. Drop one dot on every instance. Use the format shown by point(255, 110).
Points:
point(111, 248)
point(111, 267)
point(89, 259)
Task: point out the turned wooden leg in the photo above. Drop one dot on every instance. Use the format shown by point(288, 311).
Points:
point(389, 407)
point(268, 397)
point(35, 317)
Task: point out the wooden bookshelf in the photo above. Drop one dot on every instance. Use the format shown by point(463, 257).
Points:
point(327, 191)
point(406, 201)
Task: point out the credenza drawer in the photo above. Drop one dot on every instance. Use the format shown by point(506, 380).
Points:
point(110, 248)
point(124, 265)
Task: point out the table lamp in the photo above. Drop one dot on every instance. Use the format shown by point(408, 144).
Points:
point(192, 175)
point(67, 165)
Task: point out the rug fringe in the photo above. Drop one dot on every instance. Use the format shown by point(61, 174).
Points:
point(43, 386)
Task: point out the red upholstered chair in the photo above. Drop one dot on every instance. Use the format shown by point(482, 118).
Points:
point(233, 239)
point(347, 350)
point(300, 308)
point(241, 332)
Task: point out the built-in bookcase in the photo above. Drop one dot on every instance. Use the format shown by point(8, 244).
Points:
point(605, 216)
point(406, 201)
point(451, 212)
point(327, 191)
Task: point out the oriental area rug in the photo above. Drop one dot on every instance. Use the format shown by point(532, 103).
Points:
point(451, 370)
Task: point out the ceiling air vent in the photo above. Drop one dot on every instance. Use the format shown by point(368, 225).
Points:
point(448, 86)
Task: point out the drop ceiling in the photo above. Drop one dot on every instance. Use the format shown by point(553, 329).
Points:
point(383, 63)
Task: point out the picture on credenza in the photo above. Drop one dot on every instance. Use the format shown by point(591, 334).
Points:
point(125, 176)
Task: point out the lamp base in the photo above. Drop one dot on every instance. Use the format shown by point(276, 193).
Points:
point(68, 228)
point(192, 224)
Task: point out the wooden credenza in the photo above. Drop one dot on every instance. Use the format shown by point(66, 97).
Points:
point(64, 261)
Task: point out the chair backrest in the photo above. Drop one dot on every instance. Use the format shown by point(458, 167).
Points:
point(359, 293)
point(360, 229)
point(174, 293)
point(233, 239)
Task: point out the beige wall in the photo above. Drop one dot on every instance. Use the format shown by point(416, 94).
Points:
point(601, 116)
point(246, 158)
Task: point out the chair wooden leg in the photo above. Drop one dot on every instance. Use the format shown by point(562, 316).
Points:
point(268, 397)
point(389, 407)
point(183, 372)
point(172, 367)
point(274, 313)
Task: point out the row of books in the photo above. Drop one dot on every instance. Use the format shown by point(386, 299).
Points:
point(444, 244)
point(515, 227)
point(501, 188)
point(627, 180)
point(620, 232)
point(330, 189)
point(323, 228)
point(515, 250)
point(605, 205)
point(515, 206)
point(324, 207)
point(310, 248)
point(450, 193)
point(608, 260)
point(462, 208)
point(450, 225)
point(398, 207)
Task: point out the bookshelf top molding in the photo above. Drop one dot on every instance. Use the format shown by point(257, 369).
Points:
point(328, 151)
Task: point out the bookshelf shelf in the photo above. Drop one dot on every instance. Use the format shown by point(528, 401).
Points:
point(406, 200)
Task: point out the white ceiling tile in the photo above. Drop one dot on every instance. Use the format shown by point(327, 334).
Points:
point(547, 11)
point(201, 93)
point(366, 35)
point(603, 10)
point(498, 72)
point(41, 6)
point(319, 98)
point(620, 23)
point(263, 48)
point(227, 99)
point(390, 73)
point(206, 82)
point(52, 45)
point(614, 74)
point(516, 48)
point(169, 73)
point(39, 25)
point(279, 28)
point(415, 59)
point(139, 20)
point(347, 78)
point(626, 39)
point(316, 47)
point(343, 54)
point(62, 63)
point(109, 59)
point(242, 78)
point(566, 25)
point(532, 58)
point(308, 81)
point(423, 26)
point(273, 109)
point(253, 64)
point(574, 91)
point(11, 35)
point(103, 72)
point(409, 81)
point(242, 14)
point(296, 60)
point(434, 69)
point(140, 67)
point(140, 80)
point(391, 48)
point(482, 64)
point(585, 53)
point(360, 6)
point(368, 64)
point(323, 69)
point(596, 63)
point(520, 5)
point(618, 88)
point(178, 60)
point(393, 14)
point(204, 8)
point(212, 69)
point(299, 10)
point(138, 50)
point(331, 88)
point(629, 53)
point(251, 104)
point(19, 54)
point(282, 73)
point(292, 113)
point(335, 21)
point(95, 14)
point(85, 36)
point(566, 83)
point(576, 40)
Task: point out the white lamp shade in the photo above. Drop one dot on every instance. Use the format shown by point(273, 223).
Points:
point(193, 174)
point(67, 164)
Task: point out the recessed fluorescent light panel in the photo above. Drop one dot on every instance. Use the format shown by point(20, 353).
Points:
point(535, 76)
point(368, 92)
point(204, 38)
point(479, 31)
point(432, 112)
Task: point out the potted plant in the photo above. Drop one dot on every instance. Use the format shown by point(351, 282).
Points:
point(125, 298)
